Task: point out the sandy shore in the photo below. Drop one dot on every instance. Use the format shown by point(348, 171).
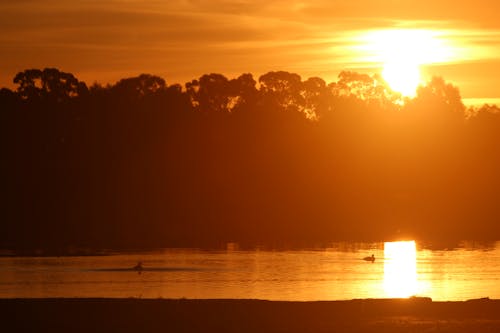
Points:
point(157, 315)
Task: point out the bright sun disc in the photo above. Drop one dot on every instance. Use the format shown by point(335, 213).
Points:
point(402, 52)
point(402, 77)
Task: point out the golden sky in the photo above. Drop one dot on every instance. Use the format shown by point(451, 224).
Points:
point(105, 40)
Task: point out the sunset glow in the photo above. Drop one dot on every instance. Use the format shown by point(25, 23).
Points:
point(109, 41)
point(403, 77)
point(402, 52)
point(215, 165)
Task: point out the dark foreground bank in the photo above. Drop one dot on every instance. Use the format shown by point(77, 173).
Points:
point(146, 315)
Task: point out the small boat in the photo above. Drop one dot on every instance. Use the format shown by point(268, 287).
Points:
point(370, 258)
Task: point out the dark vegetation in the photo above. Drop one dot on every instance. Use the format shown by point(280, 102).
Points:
point(142, 164)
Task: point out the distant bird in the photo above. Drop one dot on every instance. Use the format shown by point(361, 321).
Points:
point(138, 267)
point(370, 258)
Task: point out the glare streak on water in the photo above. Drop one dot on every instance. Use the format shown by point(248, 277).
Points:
point(327, 274)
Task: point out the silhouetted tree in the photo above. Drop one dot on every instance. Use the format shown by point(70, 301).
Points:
point(50, 83)
point(140, 86)
point(211, 93)
point(364, 87)
point(7, 97)
point(438, 95)
point(143, 164)
point(283, 89)
point(243, 91)
point(316, 98)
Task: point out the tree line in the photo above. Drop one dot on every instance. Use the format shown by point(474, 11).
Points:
point(278, 161)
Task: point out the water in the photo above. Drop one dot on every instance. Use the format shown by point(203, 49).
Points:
point(400, 270)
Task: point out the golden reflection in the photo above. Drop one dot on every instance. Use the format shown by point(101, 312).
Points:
point(400, 269)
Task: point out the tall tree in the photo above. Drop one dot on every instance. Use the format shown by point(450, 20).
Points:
point(49, 83)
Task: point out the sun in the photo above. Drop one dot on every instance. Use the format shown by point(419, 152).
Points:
point(403, 77)
point(401, 53)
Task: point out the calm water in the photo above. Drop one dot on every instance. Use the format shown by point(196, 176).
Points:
point(400, 270)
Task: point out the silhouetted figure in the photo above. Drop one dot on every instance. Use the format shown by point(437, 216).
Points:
point(138, 267)
point(370, 258)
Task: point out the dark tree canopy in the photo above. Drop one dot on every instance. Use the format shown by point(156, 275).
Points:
point(141, 163)
point(140, 86)
point(50, 83)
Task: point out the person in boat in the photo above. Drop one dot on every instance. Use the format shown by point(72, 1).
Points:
point(370, 258)
point(138, 267)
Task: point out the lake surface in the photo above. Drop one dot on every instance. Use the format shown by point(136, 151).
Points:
point(401, 269)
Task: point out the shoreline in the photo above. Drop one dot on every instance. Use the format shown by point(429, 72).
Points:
point(245, 315)
point(424, 243)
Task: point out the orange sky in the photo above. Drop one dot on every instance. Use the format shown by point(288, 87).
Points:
point(106, 40)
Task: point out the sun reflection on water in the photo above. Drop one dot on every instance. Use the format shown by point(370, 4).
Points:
point(400, 269)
